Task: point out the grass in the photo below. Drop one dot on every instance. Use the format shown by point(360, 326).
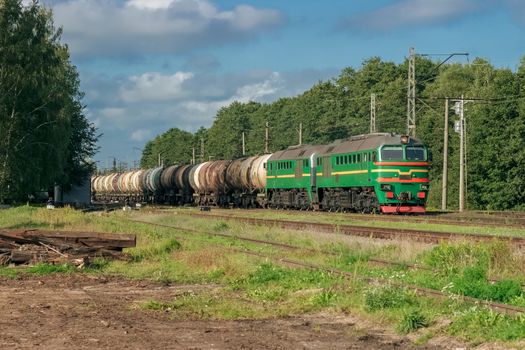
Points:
point(412, 320)
point(47, 269)
point(247, 287)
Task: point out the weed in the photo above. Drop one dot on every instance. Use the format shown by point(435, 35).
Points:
point(221, 226)
point(451, 259)
point(473, 282)
point(267, 273)
point(484, 324)
point(412, 320)
point(97, 264)
point(388, 297)
point(323, 299)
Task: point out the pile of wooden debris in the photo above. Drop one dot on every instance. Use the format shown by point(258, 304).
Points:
point(29, 247)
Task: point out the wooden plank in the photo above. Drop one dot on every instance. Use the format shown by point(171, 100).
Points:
point(90, 239)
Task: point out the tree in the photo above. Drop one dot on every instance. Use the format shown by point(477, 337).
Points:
point(172, 147)
point(44, 135)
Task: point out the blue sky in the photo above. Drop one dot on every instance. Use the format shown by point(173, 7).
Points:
point(149, 65)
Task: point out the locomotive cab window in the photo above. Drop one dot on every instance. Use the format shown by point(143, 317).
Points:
point(392, 153)
point(415, 153)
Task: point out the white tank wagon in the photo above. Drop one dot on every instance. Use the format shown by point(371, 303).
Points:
point(239, 182)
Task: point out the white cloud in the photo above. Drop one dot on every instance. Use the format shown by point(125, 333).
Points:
point(155, 87)
point(408, 13)
point(137, 27)
point(140, 135)
point(258, 91)
point(113, 112)
point(149, 4)
point(126, 125)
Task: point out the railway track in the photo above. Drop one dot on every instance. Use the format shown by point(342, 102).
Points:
point(515, 223)
point(499, 307)
point(368, 232)
point(512, 220)
point(283, 245)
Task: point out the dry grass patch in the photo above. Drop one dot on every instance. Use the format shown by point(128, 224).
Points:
point(208, 259)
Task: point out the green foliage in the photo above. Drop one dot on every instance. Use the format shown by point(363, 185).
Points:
point(44, 134)
point(478, 325)
point(473, 282)
point(412, 320)
point(8, 272)
point(323, 299)
point(450, 259)
point(172, 147)
point(388, 297)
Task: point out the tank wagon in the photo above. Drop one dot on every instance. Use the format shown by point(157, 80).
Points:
point(240, 182)
point(379, 172)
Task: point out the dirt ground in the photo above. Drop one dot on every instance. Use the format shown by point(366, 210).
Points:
point(86, 312)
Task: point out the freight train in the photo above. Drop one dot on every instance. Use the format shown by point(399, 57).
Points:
point(380, 172)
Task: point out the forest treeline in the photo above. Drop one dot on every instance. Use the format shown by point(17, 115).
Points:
point(340, 107)
point(45, 137)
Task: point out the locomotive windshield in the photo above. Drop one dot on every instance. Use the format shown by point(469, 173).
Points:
point(415, 153)
point(410, 153)
point(392, 153)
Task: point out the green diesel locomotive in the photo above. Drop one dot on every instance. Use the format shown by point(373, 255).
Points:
point(379, 172)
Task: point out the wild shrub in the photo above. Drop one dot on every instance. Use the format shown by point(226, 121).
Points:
point(412, 320)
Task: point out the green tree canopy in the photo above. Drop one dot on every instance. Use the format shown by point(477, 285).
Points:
point(44, 135)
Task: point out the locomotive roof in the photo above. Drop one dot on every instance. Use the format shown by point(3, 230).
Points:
point(351, 144)
point(367, 141)
point(298, 152)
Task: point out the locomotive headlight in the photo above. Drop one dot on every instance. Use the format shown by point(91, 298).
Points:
point(424, 187)
point(386, 187)
point(405, 139)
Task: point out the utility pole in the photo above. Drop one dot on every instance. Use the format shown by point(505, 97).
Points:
point(266, 138)
point(460, 127)
point(445, 160)
point(243, 145)
point(193, 156)
point(411, 93)
point(373, 113)
point(202, 150)
point(300, 134)
point(462, 155)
